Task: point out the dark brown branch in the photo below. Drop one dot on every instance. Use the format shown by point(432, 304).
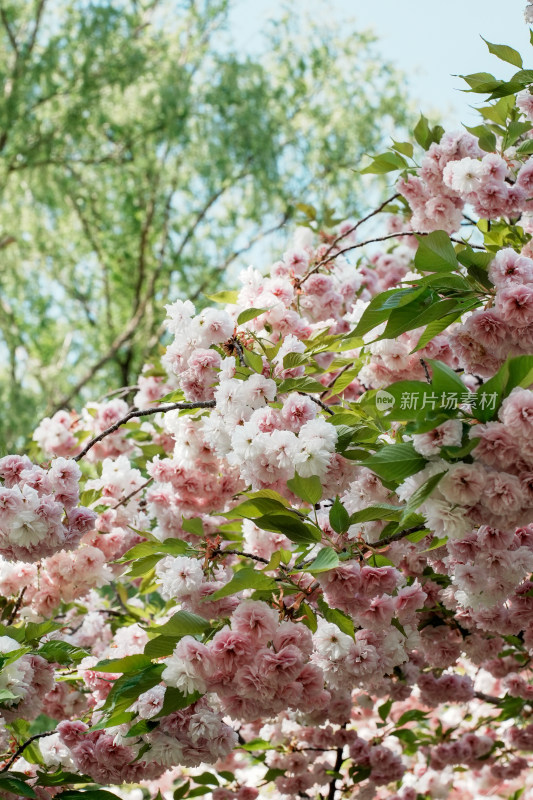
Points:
point(332, 257)
point(145, 412)
point(351, 230)
point(426, 370)
point(12, 617)
point(487, 698)
point(316, 400)
point(219, 552)
point(33, 37)
point(18, 752)
point(334, 379)
point(336, 768)
point(132, 494)
point(10, 34)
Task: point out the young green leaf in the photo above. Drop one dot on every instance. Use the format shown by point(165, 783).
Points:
point(326, 559)
point(339, 519)
point(435, 253)
point(505, 53)
point(308, 489)
point(245, 578)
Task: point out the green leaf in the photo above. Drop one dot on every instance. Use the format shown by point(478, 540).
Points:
point(89, 496)
point(339, 519)
point(18, 786)
point(405, 148)
point(161, 646)
point(290, 526)
point(444, 379)
point(182, 623)
point(421, 495)
point(308, 489)
point(255, 506)
point(309, 618)
point(385, 708)
point(413, 715)
point(250, 313)
point(326, 559)
point(58, 778)
point(142, 566)
point(207, 779)
point(377, 511)
point(405, 735)
point(505, 53)
point(245, 578)
point(336, 617)
point(423, 311)
point(515, 372)
point(192, 525)
point(435, 544)
point(525, 148)
point(386, 162)
point(291, 360)
point(435, 253)
point(481, 82)
point(224, 296)
point(422, 133)
point(174, 700)
point(253, 360)
point(434, 328)
point(61, 652)
point(486, 138)
point(303, 384)
point(181, 791)
point(125, 664)
point(395, 462)
point(344, 380)
point(379, 308)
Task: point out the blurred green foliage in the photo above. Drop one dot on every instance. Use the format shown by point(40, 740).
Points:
point(140, 155)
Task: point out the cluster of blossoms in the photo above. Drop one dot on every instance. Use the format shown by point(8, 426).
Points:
point(278, 558)
point(39, 511)
point(456, 172)
point(253, 664)
point(491, 335)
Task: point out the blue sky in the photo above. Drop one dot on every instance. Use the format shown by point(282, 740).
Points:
point(430, 40)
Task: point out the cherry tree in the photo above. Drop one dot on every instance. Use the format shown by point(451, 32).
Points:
point(299, 565)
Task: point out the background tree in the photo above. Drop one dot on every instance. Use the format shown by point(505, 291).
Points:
point(140, 156)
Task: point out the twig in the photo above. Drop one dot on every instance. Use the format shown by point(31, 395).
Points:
point(318, 402)
point(487, 698)
point(333, 380)
point(219, 552)
point(115, 392)
point(336, 768)
point(240, 352)
point(135, 491)
point(351, 230)
point(145, 412)
point(16, 607)
point(372, 241)
point(22, 747)
point(426, 371)
point(10, 34)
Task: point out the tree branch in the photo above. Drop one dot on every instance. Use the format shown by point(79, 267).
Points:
point(326, 260)
point(145, 412)
point(10, 34)
point(18, 752)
